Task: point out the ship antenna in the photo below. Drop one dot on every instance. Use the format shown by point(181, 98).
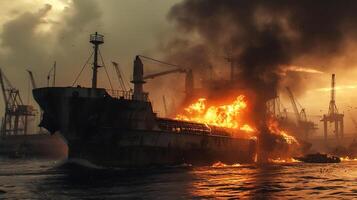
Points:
point(96, 39)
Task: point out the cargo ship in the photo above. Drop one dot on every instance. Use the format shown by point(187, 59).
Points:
point(120, 128)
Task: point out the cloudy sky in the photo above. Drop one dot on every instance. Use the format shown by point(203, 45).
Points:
point(35, 33)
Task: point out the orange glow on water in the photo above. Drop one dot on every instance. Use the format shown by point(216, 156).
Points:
point(220, 164)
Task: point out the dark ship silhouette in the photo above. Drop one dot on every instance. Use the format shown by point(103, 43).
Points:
point(120, 128)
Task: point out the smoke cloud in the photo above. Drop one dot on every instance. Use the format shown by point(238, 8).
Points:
point(264, 38)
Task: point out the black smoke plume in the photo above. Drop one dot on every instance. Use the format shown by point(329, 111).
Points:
point(263, 36)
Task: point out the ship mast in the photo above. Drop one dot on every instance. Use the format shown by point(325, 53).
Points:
point(96, 39)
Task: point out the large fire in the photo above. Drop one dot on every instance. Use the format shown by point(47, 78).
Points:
point(232, 115)
point(226, 115)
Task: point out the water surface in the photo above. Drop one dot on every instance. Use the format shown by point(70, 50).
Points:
point(40, 179)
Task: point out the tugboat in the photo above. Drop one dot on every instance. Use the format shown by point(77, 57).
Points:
point(318, 158)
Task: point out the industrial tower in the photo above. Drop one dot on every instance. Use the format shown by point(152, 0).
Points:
point(333, 116)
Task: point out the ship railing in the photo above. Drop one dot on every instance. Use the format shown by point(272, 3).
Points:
point(190, 128)
point(129, 95)
point(120, 94)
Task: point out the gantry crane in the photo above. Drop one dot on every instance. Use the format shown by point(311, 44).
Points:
point(333, 116)
point(301, 118)
point(15, 120)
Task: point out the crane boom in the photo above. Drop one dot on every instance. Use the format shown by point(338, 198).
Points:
point(293, 103)
point(32, 79)
point(120, 76)
point(151, 76)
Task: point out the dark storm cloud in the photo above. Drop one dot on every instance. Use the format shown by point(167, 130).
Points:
point(20, 41)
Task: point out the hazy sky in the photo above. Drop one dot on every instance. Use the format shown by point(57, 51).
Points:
point(34, 33)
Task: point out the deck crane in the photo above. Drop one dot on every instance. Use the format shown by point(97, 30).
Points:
point(301, 118)
point(120, 76)
point(151, 76)
point(34, 86)
point(15, 120)
point(189, 82)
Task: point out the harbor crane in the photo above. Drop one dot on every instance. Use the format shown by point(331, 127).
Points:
point(15, 120)
point(333, 116)
point(301, 118)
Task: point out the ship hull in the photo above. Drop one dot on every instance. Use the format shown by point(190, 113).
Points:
point(144, 148)
point(121, 132)
point(33, 146)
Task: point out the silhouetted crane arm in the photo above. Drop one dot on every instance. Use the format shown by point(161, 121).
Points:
point(151, 76)
point(120, 76)
point(32, 79)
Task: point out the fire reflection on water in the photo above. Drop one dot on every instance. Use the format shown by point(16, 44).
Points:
point(46, 180)
point(280, 179)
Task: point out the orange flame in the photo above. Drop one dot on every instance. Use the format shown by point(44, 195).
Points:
point(228, 116)
point(275, 129)
point(279, 160)
point(348, 159)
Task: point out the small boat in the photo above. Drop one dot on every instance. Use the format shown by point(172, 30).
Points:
point(318, 158)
